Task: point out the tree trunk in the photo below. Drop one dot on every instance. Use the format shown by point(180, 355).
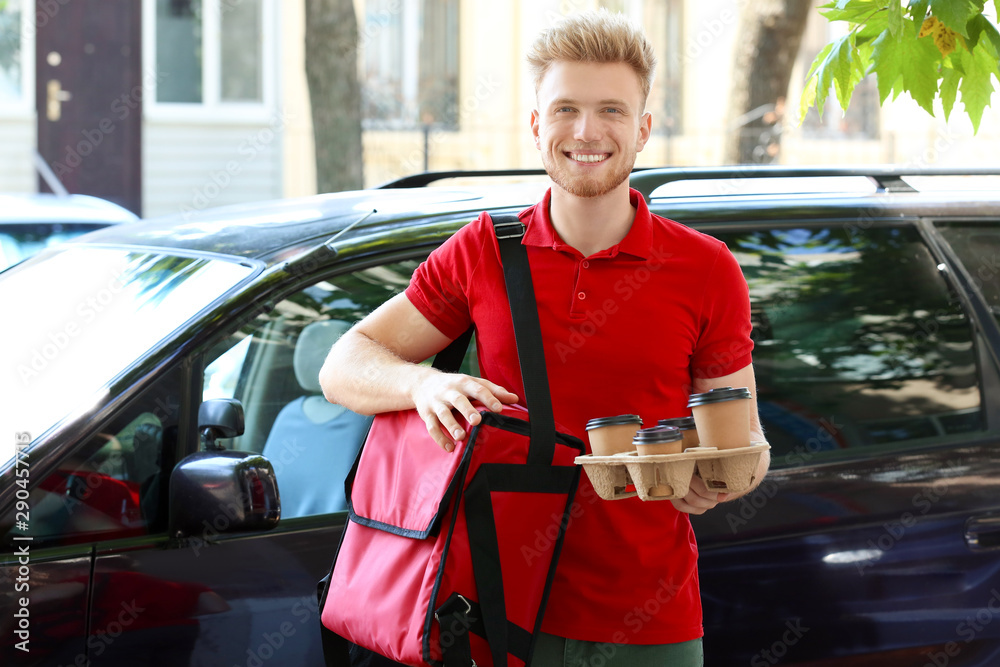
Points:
point(770, 34)
point(335, 93)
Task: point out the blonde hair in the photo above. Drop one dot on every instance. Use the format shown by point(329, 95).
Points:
point(594, 37)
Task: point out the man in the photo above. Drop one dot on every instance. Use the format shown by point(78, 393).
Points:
point(637, 312)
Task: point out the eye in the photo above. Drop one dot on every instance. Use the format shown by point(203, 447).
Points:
point(613, 110)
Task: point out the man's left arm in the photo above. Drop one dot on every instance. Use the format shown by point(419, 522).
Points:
point(699, 498)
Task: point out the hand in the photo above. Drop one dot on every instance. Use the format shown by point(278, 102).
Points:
point(441, 395)
point(699, 498)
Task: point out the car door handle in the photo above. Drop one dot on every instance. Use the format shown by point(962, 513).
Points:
point(983, 532)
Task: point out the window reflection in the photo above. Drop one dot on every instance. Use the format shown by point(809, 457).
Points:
point(858, 339)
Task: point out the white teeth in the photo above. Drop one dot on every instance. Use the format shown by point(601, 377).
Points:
point(588, 158)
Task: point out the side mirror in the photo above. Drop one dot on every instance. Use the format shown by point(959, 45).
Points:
point(223, 492)
point(220, 418)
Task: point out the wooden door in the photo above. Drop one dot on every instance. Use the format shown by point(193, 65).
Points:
point(89, 97)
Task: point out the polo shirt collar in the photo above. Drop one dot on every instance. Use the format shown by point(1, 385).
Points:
point(540, 232)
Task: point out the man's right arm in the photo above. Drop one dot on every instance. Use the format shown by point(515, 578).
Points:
point(375, 367)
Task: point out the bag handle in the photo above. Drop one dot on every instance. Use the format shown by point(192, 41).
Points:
point(528, 335)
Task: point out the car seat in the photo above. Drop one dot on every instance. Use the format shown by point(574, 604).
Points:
point(313, 443)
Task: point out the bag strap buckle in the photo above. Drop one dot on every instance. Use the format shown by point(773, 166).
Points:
point(509, 230)
point(446, 608)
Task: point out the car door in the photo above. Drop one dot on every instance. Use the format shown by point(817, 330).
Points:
point(877, 394)
point(106, 495)
point(251, 598)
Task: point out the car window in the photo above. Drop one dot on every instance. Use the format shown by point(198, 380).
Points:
point(977, 245)
point(116, 305)
point(271, 366)
point(113, 485)
point(858, 340)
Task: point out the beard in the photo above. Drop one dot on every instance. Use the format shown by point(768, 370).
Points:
point(589, 187)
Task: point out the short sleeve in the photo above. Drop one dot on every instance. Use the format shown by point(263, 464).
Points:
point(440, 287)
point(724, 345)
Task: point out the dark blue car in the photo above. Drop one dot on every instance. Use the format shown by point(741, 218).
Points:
point(173, 481)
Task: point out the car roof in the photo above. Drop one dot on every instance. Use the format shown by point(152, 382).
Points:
point(274, 231)
point(45, 207)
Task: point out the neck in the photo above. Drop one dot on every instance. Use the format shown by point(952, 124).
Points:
point(592, 224)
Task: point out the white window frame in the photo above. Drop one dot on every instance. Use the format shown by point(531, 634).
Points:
point(212, 108)
point(25, 108)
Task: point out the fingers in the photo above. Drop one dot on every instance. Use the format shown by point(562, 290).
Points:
point(699, 498)
point(447, 397)
point(504, 396)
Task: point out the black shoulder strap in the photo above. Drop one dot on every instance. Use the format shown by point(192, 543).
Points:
point(450, 358)
point(528, 336)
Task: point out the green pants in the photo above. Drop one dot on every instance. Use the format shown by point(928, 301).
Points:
point(552, 651)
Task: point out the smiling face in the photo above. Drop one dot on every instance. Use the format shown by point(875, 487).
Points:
point(589, 125)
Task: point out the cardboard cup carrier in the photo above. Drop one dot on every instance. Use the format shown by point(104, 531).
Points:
point(610, 437)
point(662, 460)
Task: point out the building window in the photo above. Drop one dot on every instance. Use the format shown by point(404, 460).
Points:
point(242, 55)
point(11, 77)
point(410, 63)
point(210, 51)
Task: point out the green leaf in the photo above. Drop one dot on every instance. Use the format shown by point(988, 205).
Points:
point(918, 12)
point(874, 27)
point(821, 58)
point(895, 19)
point(949, 89)
point(981, 26)
point(852, 11)
point(808, 98)
point(887, 58)
point(956, 14)
point(836, 65)
point(918, 66)
point(842, 69)
point(977, 84)
point(811, 92)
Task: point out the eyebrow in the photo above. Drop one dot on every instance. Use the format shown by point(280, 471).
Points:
point(612, 102)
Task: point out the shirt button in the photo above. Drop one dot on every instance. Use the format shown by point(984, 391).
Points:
point(586, 265)
point(581, 295)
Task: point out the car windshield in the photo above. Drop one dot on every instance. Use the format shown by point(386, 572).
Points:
point(76, 319)
point(21, 240)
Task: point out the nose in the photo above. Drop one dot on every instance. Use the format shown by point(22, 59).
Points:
point(587, 128)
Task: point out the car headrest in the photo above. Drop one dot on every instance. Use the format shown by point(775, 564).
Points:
point(313, 345)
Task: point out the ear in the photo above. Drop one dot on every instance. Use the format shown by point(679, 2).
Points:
point(645, 130)
point(535, 120)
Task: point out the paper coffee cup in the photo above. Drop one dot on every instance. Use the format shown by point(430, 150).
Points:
point(722, 417)
point(687, 427)
point(658, 440)
point(612, 435)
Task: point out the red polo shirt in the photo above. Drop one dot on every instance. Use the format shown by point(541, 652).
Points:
point(625, 331)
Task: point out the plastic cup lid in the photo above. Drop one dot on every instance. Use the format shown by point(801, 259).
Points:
point(620, 420)
point(717, 396)
point(656, 435)
point(683, 423)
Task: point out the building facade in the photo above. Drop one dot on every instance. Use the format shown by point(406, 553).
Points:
point(225, 106)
